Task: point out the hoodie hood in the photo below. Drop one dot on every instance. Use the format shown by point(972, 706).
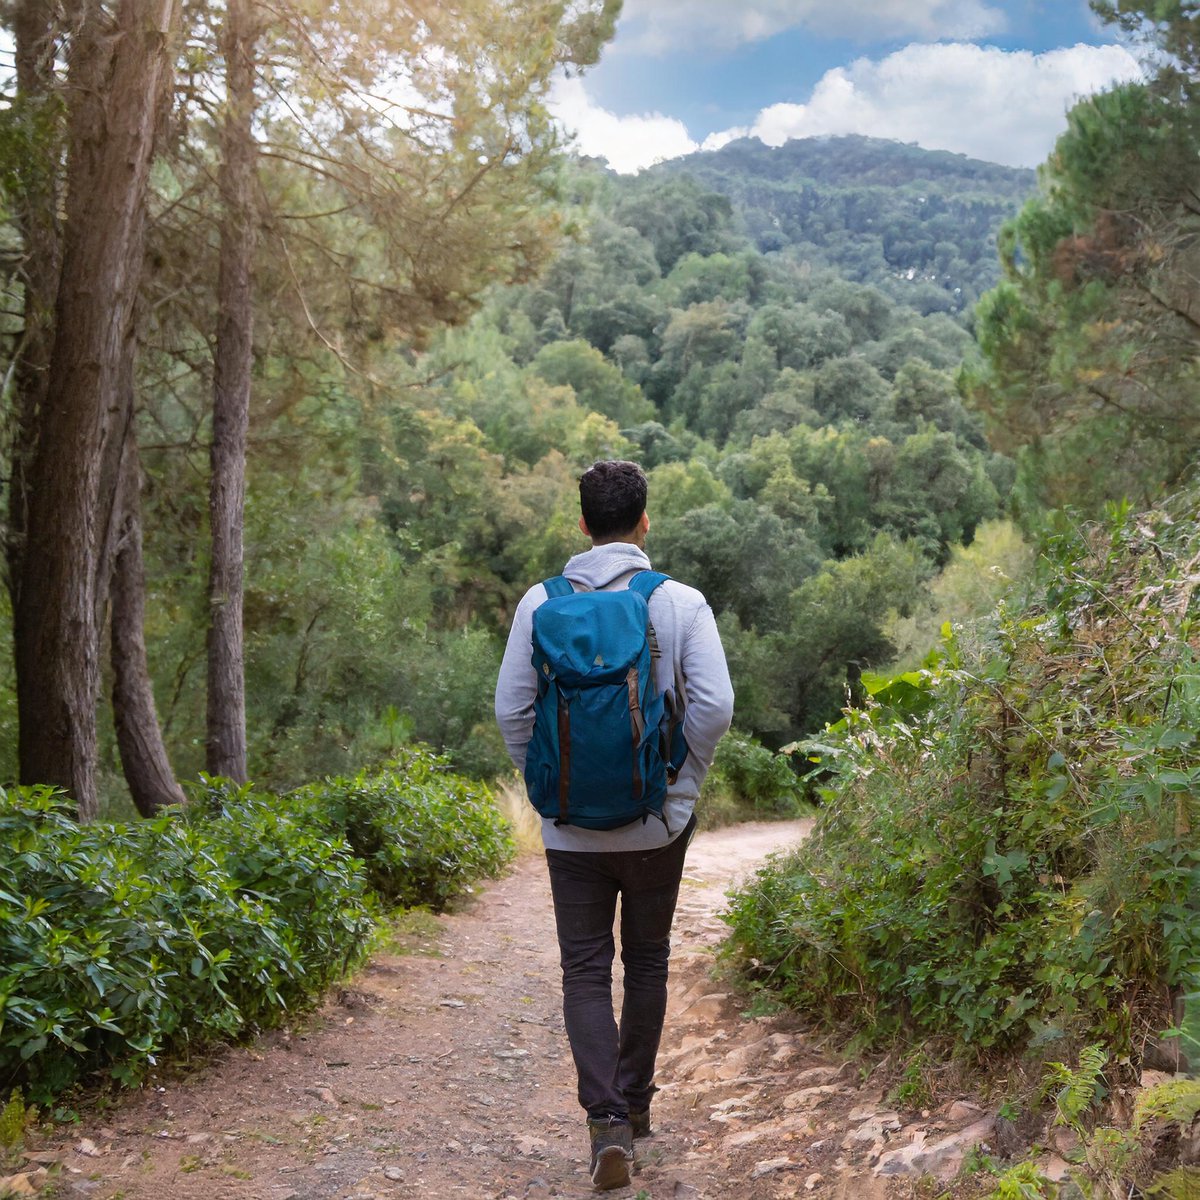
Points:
point(601, 565)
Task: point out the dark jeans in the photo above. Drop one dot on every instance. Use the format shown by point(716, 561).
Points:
point(615, 1065)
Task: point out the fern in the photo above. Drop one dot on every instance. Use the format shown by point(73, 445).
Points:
point(1078, 1089)
point(1180, 1184)
point(1023, 1182)
point(1178, 1100)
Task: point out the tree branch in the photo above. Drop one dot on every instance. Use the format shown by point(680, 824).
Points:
point(334, 350)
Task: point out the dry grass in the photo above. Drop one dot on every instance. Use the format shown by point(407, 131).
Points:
point(526, 824)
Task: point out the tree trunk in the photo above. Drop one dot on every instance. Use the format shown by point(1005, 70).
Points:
point(36, 201)
point(144, 757)
point(226, 714)
point(116, 67)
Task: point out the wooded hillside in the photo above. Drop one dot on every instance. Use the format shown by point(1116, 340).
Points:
point(919, 223)
point(803, 429)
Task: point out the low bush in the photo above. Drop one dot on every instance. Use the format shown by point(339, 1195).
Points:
point(423, 832)
point(1014, 862)
point(121, 942)
point(749, 782)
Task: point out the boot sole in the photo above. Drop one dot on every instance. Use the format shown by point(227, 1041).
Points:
point(611, 1169)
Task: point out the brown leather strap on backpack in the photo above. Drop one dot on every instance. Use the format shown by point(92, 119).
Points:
point(564, 760)
point(637, 725)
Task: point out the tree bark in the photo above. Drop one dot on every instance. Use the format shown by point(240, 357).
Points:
point(226, 710)
point(116, 67)
point(144, 756)
point(36, 201)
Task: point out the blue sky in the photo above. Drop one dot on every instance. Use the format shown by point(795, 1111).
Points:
point(989, 78)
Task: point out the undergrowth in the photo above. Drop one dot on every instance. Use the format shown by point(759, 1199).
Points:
point(1007, 859)
point(121, 942)
point(1134, 1159)
point(422, 831)
point(749, 782)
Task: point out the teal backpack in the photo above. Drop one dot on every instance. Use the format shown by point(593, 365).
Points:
point(605, 744)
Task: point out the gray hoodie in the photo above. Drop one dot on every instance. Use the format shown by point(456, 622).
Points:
point(692, 666)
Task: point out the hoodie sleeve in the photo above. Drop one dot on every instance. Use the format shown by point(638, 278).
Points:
point(709, 696)
point(516, 686)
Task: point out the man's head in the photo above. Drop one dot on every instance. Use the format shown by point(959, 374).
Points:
point(612, 499)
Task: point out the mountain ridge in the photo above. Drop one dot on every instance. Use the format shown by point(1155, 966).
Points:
point(921, 224)
point(815, 150)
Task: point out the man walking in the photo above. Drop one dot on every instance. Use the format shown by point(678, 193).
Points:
point(642, 862)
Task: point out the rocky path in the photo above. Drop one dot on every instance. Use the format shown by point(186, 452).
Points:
point(444, 1073)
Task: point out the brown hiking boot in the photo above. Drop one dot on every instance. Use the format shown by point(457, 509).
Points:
point(612, 1153)
point(640, 1121)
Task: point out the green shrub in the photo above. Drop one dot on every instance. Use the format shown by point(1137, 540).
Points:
point(753, 781)
point(120, 942)
point(1014, 861)
point(124, 941)
point(423, 833)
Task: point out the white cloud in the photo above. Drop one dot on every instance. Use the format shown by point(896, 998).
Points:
point(1005, 107)
point(629, 143)
point(723, 137)
point(666, 26)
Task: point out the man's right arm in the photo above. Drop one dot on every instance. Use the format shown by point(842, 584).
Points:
point(516, 686)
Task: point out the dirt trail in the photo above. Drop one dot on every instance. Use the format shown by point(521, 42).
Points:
point(446, 1073)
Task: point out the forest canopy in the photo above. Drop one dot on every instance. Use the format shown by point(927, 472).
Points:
point(794, 398)
point(779, 335)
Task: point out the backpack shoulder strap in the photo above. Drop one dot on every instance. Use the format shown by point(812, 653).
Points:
point(646, 582)
point(560, 585)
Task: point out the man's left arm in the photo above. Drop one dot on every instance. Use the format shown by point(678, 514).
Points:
point(516, 686)
point(709, 695)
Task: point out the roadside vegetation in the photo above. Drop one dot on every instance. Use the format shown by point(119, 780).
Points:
point(1006, 872)
point(1007, 854)
point(129, 942)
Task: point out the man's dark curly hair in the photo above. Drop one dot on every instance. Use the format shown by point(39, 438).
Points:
point(612, 498)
